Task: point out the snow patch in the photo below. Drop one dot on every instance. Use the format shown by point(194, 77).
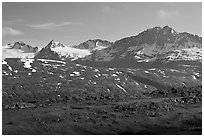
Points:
point(152, 69)
point(105, 75)
point(156, 74)
point(76, 73)
point(121, 88)
point(50, 73)
point(197, 74)
point(27, 63)
point(16, 71)
point(118, 79)
point(71, 52)
point(4, 62)
point(78, 65)
point(61, 76)
point(193, 76)
point(162, 72)
point(10, 68)
point(96, 70)
point(59, 83)
point(49, 60)
point(146, 71)
point(111, 68)
point(114, 75)
point(33, 70)
point(174, 70)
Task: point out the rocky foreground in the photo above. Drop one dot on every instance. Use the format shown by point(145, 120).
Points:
point(174, 113)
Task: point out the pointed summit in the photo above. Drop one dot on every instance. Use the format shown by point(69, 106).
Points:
point(54, 44)
point(49, 44)
point(166, 27)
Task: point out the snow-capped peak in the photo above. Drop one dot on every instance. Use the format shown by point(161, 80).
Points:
point(56, 44)
point(58, 51)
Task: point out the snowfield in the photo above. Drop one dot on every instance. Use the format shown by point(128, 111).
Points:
point(71, 52)
point(15, 53)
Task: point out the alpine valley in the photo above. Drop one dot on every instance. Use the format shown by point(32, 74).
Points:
point(150, 83)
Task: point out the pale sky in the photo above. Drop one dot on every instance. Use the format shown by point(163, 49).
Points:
point(73, 23)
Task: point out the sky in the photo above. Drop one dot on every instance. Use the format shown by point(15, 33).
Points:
point(72, 23)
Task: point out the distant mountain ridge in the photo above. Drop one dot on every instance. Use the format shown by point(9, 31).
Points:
point(23, 47)
point(95, 44)
point(18, 50)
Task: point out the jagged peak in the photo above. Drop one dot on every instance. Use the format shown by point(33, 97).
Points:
point(21, 46)
point(19, 42)
point(165, 28)
point(53, 44)
point(168, 29)
point(93, 43)
point(97, 40)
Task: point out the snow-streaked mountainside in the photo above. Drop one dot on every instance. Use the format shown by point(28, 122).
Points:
point(116, 80)
point(18, 50)
point(58, 51)
point(153, 44)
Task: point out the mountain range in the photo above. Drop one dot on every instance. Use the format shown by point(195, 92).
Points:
point(155, 44)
